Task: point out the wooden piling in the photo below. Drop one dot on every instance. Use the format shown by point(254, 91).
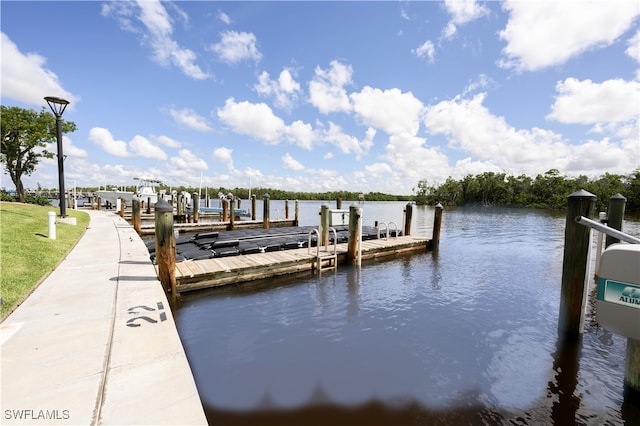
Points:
point(253, 207)
point(437, 225)
point(408, 215)
point(353, 244)
point(122, 203)
point(148, 205)
point(632, 368)
point(99, 207)
point(135, 215)
point(324, 225)
point(225, 209)
point(296, 221)
point(195, 197)
point(286, 209)
point(165, 246)
point(615, 216)
point(339, 203)
point(232, 216)
point(265, 212)
point(573, 292)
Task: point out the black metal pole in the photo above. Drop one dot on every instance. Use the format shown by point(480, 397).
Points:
point(61, 195)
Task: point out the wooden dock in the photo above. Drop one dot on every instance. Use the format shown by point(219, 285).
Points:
point(200, 274)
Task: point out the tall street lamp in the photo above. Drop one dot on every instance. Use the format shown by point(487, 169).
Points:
point(58, 106)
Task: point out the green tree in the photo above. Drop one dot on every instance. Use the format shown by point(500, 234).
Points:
point(25, 135)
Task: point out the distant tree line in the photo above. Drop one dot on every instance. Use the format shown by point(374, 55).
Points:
point(548, 190)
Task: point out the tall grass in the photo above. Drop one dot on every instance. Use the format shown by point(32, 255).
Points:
point(27, 255)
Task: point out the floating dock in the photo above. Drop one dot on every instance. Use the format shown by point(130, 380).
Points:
point(236, 260)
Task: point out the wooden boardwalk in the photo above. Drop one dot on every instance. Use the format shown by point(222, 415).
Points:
point(200, 274)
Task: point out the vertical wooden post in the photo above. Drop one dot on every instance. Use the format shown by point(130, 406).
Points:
point(265, 212)
point(225, 209)
point(122, 203)
point(135, 214)
point(615, 216)
point(324, 224)
point(196, 207)
point(180, 207)
point(148, 205)
point(165, 246)
point(632, 367)
point(437, 226)
point(286, 209)
point(253, 207)
point(577, 242)
point(232, 214)
point(408, 215)
point(353, 244)
point(296, 222)
point(99, 207)
point(339, 204)
point(239, 200)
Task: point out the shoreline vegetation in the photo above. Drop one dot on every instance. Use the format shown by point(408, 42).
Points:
point(545, 191)
point(27, 255)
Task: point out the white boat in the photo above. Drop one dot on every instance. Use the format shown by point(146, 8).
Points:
point(144, 191)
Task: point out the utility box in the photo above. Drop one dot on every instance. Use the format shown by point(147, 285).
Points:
point(618, 300)
point(338, 217)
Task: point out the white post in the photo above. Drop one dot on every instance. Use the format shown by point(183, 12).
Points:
point(52, 225)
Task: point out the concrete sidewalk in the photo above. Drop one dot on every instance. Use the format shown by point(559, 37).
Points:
point(96, 342)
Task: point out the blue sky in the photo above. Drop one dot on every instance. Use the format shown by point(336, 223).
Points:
point(324, 96)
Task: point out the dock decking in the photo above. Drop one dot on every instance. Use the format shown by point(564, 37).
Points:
point(200, 274)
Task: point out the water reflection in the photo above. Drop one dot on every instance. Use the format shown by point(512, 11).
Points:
point(465, 335)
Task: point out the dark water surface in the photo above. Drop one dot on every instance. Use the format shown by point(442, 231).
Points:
point(464, 336)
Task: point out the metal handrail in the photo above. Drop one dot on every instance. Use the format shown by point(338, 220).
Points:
point(607, 230)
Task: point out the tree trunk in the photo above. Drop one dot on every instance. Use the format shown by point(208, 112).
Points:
point(17, 181)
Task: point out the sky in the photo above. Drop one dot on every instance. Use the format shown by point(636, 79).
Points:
point(325, 96)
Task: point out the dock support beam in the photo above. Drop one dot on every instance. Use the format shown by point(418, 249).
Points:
point(232, 215)
point(265, 212)
point(165, 247)
point(577, 244)
point(195, 197)
point(135, 215)
point(437, 226)
point(615, 216)
point(296, 223)
point(355, 236)
point(408, 215)
point(324, 225)
point(253, 207)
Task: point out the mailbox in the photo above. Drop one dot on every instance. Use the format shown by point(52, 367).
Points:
point(618, 300)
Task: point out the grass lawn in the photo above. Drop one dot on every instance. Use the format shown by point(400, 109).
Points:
point(27, 255)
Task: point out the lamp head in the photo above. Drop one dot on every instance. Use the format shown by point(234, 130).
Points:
point(57, 105)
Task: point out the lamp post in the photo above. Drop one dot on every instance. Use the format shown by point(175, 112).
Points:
point(58, 106)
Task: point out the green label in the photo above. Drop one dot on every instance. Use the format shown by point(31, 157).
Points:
point(618, 292)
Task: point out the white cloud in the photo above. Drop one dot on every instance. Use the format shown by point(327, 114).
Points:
point(103, 138)
point(188, 161)
point(347, 143)
point(157, 32)
point(189, 118)
point(237, 46)
point(68, 149)
point(223, 155)
point(633, 49)
point(326, 90)
point(167, 141)
point(462, 12)
point(301, 134)
point(426, 50)
point(139, 146)
point(285, 91)
point(25, 78)
point(142, 147)
point(540, 34)
point(290, 163)
point(378, 169)
point(587, 102)
point(390, 110)
point(255, 120)
point(224, 18)
point(470, 125)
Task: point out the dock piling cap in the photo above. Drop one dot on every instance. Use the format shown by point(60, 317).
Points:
point(163, 206)
point(582, 194)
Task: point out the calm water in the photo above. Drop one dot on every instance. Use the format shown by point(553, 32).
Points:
point(464, 336)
